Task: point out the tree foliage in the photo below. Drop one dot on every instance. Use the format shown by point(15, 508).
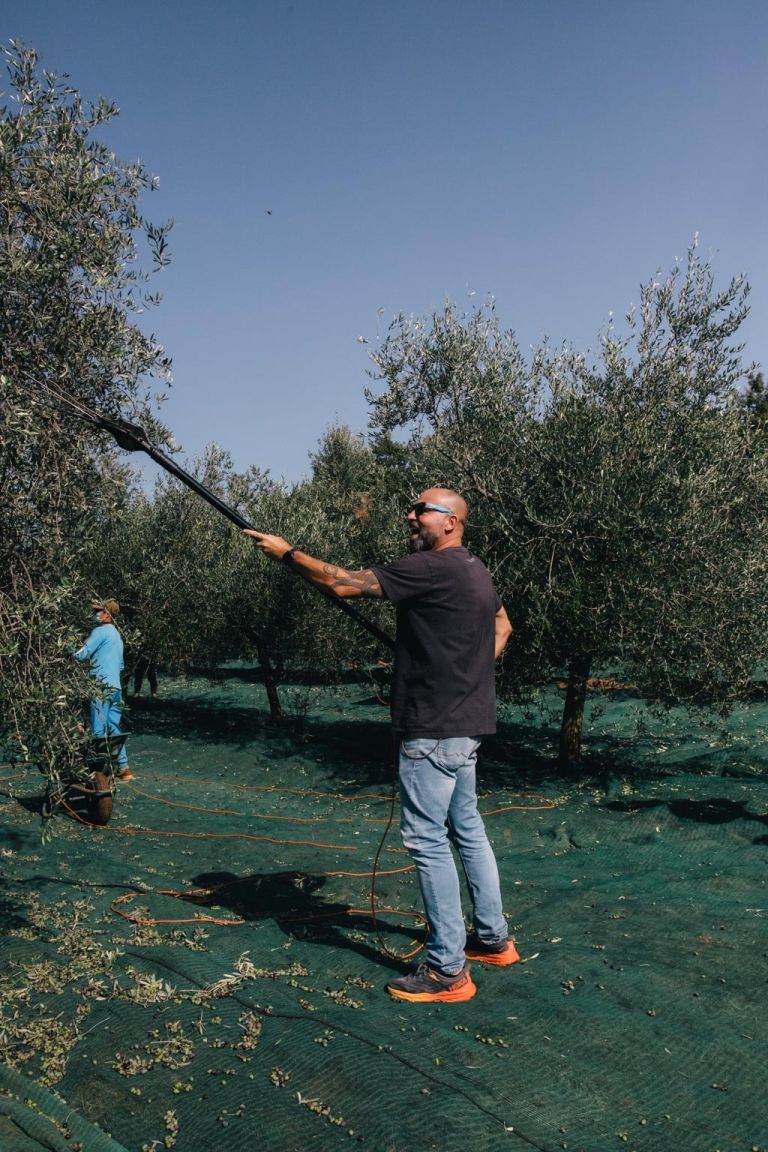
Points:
point(754, 401)
point(71, 289)
point(178, 567)
point(620, 503)
point(197, 590)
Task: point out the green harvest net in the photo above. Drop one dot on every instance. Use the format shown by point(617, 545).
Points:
point(203, 972)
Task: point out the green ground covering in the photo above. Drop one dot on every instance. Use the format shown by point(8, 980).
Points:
point(636, 892)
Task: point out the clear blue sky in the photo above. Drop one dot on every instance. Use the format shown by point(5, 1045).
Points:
point(330, 163)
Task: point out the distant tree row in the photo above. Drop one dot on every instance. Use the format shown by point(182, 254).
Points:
point(620, 499)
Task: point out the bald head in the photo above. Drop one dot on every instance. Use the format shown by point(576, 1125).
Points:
point(437, 520)
point(449, 499)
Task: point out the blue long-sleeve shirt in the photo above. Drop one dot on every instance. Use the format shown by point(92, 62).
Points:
point(104, 649)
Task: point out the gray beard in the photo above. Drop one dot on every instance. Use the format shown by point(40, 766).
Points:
point(424, 542)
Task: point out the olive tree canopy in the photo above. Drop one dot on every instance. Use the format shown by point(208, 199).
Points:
point(622, 503)
point(71, 290)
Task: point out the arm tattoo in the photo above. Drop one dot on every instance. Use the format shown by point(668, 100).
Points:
point(364, 582)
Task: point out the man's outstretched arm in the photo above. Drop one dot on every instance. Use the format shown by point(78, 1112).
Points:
point(329, 577)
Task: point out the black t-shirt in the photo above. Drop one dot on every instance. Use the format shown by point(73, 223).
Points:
point(443, 681)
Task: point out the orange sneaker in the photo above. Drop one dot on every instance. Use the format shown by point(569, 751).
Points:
point(500, 955)
point(125, 774)
point(427, 986)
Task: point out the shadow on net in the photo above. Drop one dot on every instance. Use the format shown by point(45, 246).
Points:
point(715, 810)
point(294, 902)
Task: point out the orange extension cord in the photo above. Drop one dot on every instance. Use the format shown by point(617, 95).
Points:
point(203, 893)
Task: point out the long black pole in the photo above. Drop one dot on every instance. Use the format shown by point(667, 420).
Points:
point(133, 439)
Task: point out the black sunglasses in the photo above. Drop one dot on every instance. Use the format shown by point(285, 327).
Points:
point(422, 506)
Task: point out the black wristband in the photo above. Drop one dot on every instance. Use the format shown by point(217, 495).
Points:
point(287, 557)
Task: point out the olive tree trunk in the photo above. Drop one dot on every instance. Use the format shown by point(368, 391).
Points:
point(270, 683)
point(573, 711)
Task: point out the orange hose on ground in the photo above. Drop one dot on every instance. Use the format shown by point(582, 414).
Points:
point(544, 805)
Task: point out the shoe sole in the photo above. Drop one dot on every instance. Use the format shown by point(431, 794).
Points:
point(496, 959)
point(446, 996)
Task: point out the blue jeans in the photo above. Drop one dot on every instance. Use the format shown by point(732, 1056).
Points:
point(439, 807)
point(106, 716)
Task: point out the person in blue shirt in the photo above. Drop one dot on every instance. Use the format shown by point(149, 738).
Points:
point(104, 650)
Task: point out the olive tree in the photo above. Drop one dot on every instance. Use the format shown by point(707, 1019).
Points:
point(177, 566)
point(194, 589)
point(72, 249)
point(620, 502)
point(364, 485)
